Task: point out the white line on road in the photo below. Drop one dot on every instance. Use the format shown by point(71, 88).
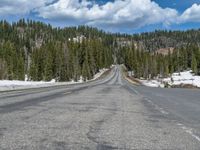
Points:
point(189, 131)
point(163, 112)
point(156, 106)
point(66, 93)
point(186, 129)
point(135, 91)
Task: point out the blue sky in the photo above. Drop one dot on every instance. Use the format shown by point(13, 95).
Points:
point(129, 16)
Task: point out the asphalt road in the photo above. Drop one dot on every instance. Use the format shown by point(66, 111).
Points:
point(106, 114)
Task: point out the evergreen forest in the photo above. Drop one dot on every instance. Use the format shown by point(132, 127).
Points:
point(43, 52)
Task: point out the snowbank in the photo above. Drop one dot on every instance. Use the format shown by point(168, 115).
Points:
point(16, 85)
point(100, 73)
point(182, 78)
point(186, 77)
point(152, 83)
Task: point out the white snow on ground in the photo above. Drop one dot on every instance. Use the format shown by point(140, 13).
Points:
point(152, 83)
point(185, 77)
point(16, 85)
point(99, 74)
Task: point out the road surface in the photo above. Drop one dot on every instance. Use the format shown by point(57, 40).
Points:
point(106, 114)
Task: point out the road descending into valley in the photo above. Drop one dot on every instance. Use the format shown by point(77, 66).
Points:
point(109, 113)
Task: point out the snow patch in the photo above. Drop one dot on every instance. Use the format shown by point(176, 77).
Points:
point(185, 78)
point(152, 83)
point(17, 85)
point(100, 73)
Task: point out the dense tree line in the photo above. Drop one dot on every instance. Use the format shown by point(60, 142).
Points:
point(151, 64)
point(44, 53)
point(66, 61)
point(151, 41)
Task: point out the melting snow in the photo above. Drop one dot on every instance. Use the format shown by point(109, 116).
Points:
point(16, 84)
point(185, 77)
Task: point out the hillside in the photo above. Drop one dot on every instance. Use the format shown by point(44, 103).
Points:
point(43, 52)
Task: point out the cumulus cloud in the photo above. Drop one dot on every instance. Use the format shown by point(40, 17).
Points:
point(20, 7)
point(127, 13)
point(191, 14)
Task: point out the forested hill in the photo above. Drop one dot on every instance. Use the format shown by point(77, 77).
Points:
point(42, 52)
point(153, 41)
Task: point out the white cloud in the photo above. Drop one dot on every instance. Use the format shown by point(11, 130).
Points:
point(191, 14)
point(127, 13)
point(20, 7)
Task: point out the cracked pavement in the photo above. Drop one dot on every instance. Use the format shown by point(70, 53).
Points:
point(104, 114)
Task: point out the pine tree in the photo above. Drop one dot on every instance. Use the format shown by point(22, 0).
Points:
point(33, 72)
point(20, 69)
point(48, 70)
point(3, 69)
point(194, 64)
point(166, 68)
